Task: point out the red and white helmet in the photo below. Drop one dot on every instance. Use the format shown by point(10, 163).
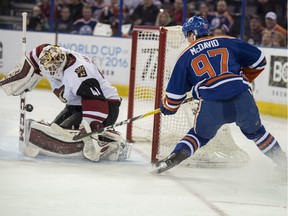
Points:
point(52, 61)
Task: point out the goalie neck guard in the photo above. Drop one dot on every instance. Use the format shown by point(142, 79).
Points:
point(52, 61)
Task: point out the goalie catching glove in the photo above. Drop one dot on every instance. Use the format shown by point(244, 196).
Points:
point(22, 78)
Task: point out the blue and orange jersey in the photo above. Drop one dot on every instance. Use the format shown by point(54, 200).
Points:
point(214, 68)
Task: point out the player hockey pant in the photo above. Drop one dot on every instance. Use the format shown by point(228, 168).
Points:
point(71, 116)
point(240, 109)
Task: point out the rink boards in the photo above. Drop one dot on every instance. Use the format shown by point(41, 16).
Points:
point(113, 56)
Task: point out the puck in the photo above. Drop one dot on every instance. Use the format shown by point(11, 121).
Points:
point(29, 107)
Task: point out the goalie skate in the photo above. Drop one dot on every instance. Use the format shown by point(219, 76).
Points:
point(126, 152)
point(171, 161)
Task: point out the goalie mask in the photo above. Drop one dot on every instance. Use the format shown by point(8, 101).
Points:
point(52, 61)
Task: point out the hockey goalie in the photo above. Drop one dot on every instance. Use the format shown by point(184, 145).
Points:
point(91, 103)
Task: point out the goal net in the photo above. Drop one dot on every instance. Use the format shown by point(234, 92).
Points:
point(154, 53)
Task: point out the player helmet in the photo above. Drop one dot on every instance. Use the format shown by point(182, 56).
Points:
point(52, 61)
point(199, 26)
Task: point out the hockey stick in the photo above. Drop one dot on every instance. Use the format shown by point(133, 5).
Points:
point(23, 94)
point(69, 135)
point(82, 136)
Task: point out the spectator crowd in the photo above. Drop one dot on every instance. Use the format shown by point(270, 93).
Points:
point(266, 24)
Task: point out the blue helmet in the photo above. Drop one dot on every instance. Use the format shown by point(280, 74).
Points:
point(197, 25)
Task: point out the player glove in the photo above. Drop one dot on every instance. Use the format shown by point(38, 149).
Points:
point(166, 111)
point(95, 125)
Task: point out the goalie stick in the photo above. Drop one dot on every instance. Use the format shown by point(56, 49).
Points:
point(23, 94)
point(23, 148)
point(60, 130)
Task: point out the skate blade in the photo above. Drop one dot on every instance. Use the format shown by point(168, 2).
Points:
point(161, 168)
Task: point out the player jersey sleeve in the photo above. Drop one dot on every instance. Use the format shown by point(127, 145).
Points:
point(178, 86)
point(252, 60)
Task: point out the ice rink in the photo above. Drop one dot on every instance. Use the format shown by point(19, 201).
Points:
point(49, 186)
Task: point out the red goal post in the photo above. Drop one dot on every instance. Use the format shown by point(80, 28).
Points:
point(154, 53)
point(151, 34)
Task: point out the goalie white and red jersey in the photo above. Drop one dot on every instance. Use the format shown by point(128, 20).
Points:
point(82, 84)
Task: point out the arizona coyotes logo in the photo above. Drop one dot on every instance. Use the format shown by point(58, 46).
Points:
point(80, 71)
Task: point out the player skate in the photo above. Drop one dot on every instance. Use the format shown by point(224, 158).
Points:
point(169, 162)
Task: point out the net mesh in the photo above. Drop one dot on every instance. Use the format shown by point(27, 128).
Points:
point(221, 150)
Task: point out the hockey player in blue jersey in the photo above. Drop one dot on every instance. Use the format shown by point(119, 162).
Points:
point(218, 70)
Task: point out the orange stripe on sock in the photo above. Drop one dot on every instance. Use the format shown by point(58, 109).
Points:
point(263, 145)
point(195, 146)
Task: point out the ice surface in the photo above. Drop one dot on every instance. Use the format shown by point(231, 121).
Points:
point(49, 186)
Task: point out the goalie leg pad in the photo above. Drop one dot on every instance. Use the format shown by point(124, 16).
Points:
point(118, 151)
point(93, 147)
point(41, 137)
point(21, 78)
point(108, 145)
point(110, 136)
point(25, 147)
point(118, 148)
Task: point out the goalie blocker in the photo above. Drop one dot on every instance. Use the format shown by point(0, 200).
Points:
point(42, 139)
